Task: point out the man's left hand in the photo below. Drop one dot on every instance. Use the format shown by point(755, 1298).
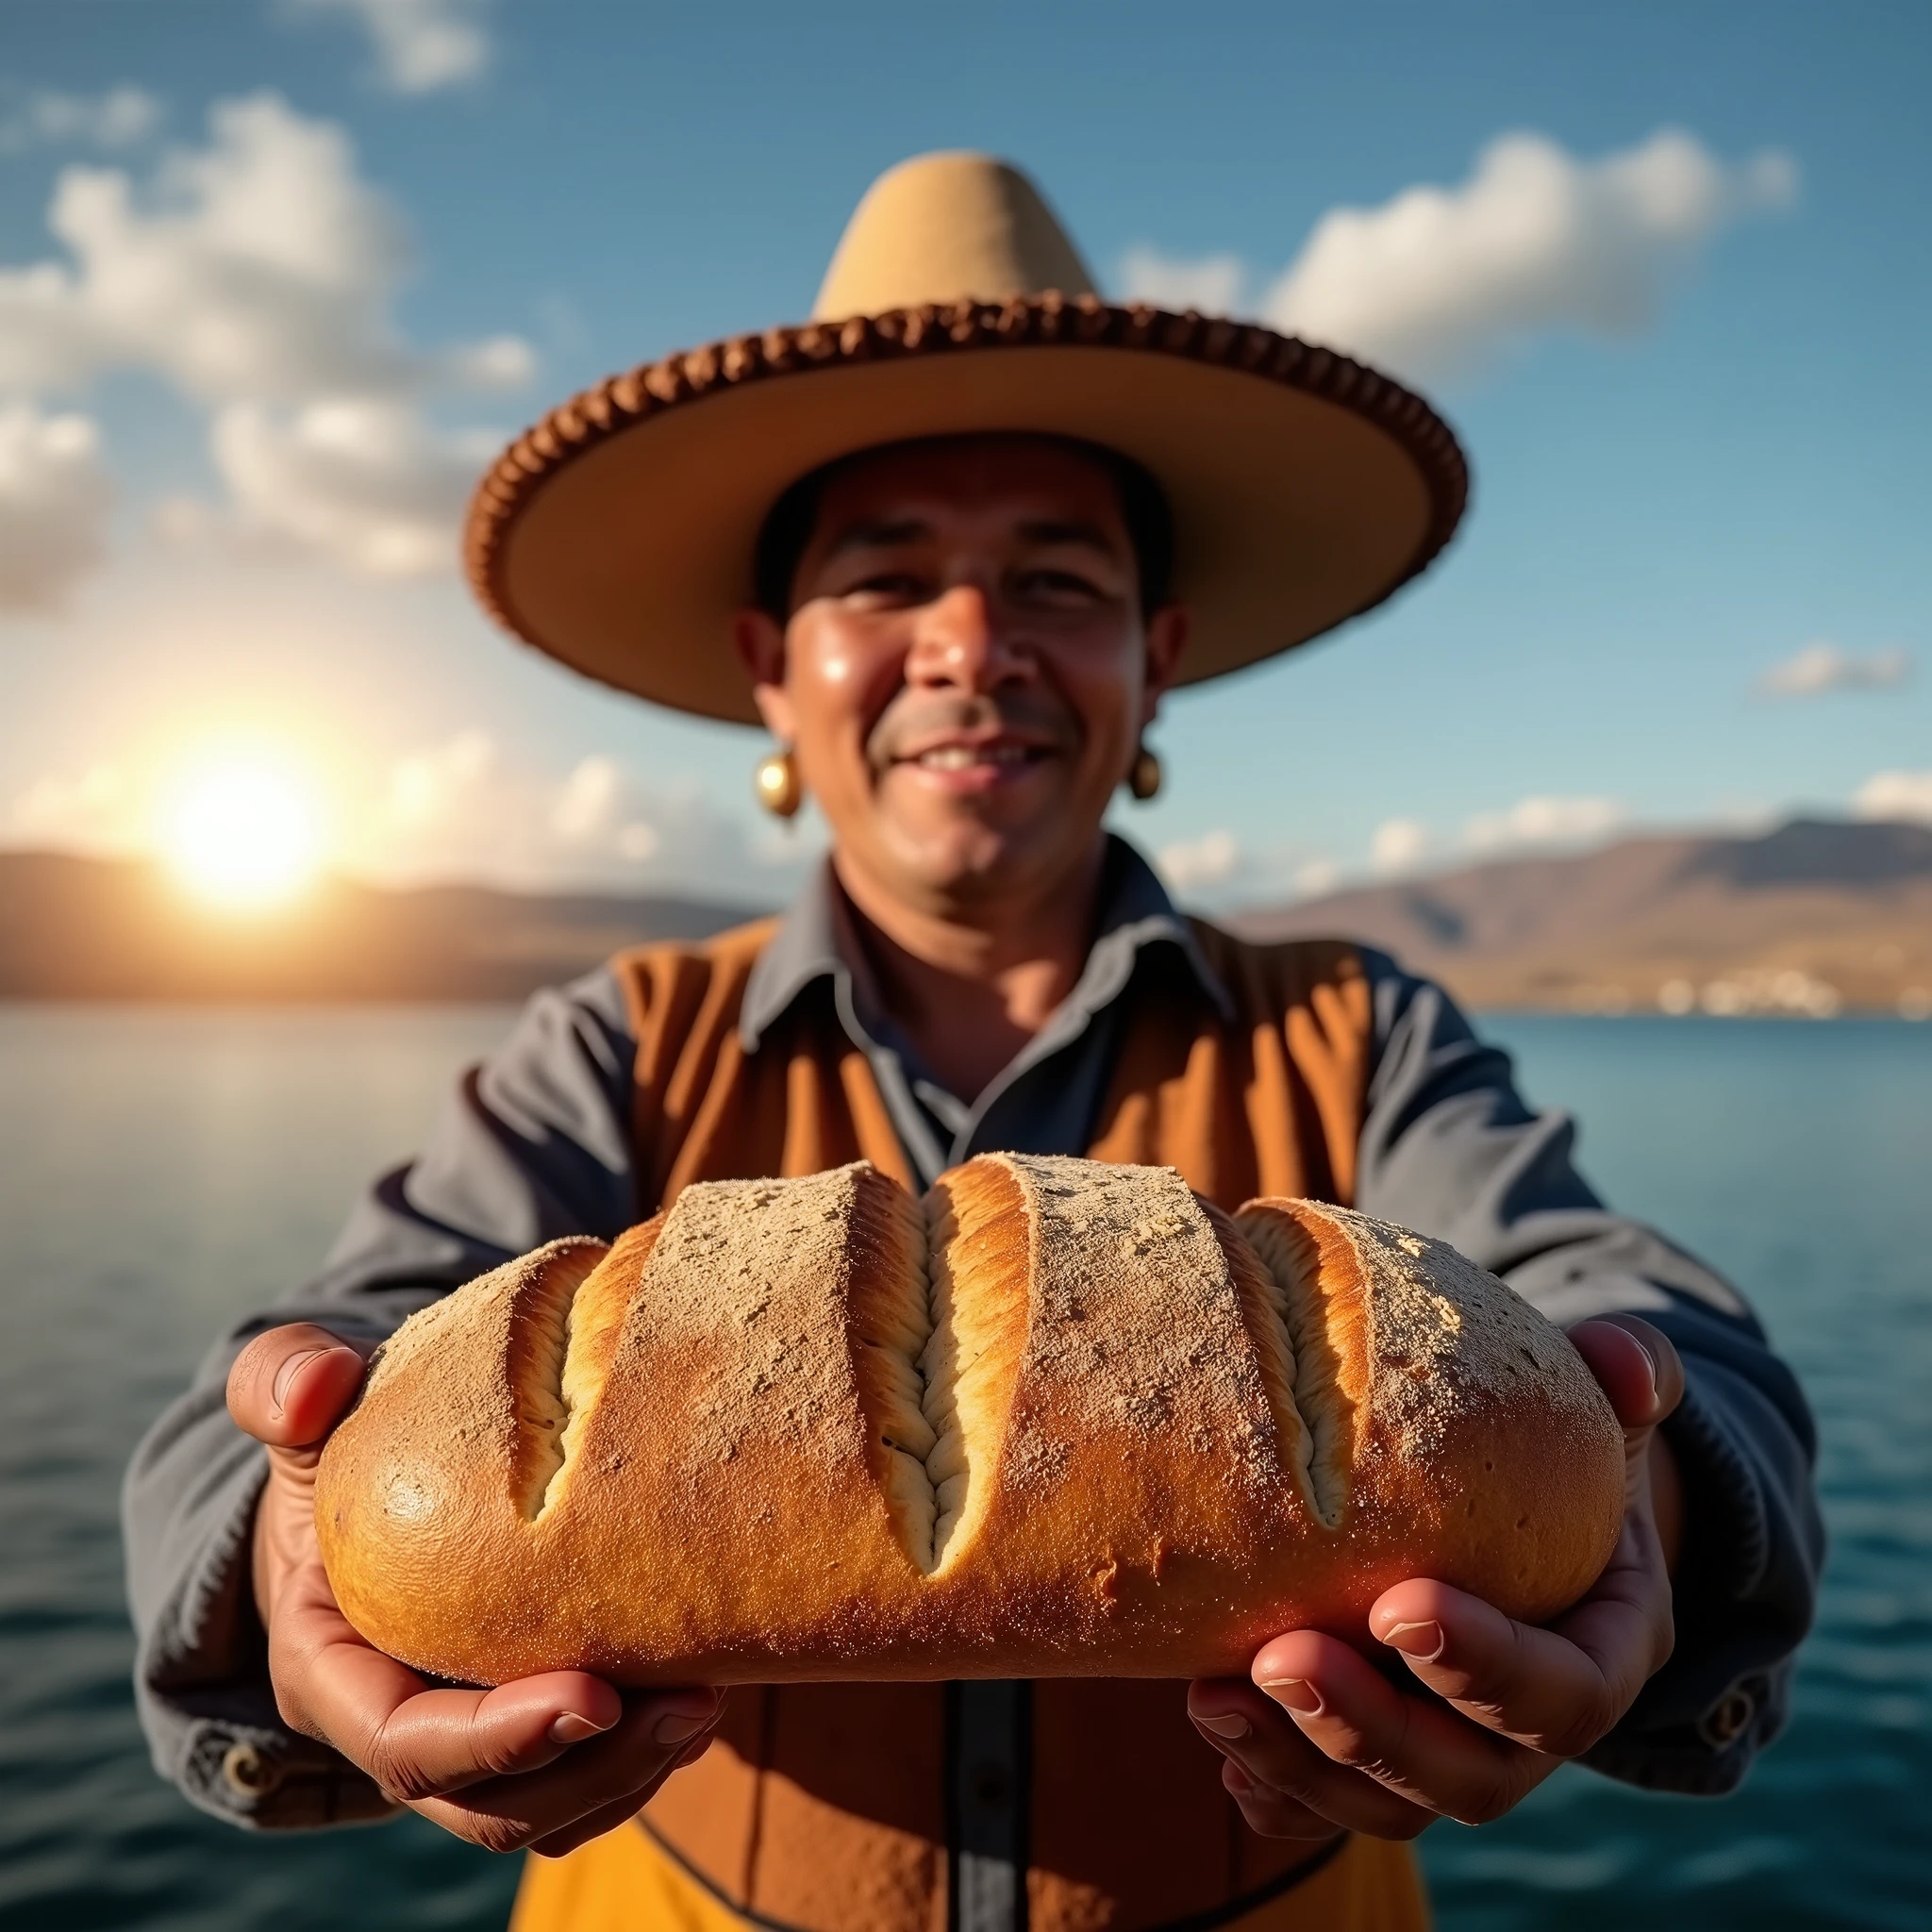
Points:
point(1319, 1741)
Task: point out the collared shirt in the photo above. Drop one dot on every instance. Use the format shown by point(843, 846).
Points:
point(1046, 1099)
point(537, 1143)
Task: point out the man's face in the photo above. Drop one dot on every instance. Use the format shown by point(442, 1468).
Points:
point(966, 671)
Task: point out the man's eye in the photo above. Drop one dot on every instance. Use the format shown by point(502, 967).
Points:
point(1057, 587)
point(887, 586)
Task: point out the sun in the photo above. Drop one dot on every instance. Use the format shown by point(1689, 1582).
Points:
point(243, 831)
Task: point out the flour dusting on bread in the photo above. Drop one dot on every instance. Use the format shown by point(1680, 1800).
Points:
point(1061, 1418)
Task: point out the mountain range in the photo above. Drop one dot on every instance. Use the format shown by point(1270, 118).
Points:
point(92, 929)
point(1816, 917)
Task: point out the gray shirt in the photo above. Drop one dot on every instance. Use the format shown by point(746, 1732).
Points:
point(536, 1143)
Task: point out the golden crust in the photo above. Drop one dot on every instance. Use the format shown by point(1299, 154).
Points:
point(1067, 1419)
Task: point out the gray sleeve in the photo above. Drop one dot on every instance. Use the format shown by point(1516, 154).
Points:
point(533, 1144)
point(1449, 1148)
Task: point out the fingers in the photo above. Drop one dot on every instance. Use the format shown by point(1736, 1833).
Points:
point(1430, 1756)
point(1541, 1689)
point(416, 1742)
point(438, 1742)
point(559, 1758)
point(1269, 1813)
point(1343, 1746)
point(595, 1823)
point(1637, 1365)
point(596, 1787)
point(291, 1386)
point(545, 1756)
point(1644, 1377)
point(559, 1844)
point(1283, 1782)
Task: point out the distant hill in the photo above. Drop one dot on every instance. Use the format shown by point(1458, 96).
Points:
point(1818, 916)
point(90, 928)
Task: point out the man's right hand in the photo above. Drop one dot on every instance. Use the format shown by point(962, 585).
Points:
point(547, 1762)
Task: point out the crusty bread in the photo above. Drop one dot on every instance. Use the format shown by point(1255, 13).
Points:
point(1060, 1419)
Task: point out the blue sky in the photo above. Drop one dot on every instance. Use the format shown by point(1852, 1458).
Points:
point(1692, 588)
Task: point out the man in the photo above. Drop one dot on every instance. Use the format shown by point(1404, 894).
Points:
point(962, 552)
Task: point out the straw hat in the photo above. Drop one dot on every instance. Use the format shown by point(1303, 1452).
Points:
point(618, 534)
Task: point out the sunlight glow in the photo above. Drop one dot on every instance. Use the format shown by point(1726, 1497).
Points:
point(244, 831)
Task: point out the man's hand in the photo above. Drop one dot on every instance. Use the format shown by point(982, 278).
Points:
point(547, 1762)
point(1320, 1742)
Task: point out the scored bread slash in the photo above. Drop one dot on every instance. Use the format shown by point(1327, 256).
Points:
point(1061, 1418)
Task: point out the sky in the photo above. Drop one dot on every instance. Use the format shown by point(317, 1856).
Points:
point(278, 276)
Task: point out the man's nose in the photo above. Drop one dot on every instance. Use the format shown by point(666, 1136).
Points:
point(959, 641)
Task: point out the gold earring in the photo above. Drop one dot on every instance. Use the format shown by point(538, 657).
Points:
point(776, 781)
point(1143, 774)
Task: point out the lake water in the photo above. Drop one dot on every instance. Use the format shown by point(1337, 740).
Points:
point(162, 1170)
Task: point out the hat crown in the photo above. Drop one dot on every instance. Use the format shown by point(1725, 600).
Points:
point(947, 227)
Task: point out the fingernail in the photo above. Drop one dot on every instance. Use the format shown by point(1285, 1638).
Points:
point(1422, 1642)
point(285, 1374)
point(1298, 1694)
point(572, 1729)
point(679, 1728)
point(1650, 1363)
point(1225, 1723)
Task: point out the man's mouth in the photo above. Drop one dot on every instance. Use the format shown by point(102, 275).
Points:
point(969, 766)
point(963, 758)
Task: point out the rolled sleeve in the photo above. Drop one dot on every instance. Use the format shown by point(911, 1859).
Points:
point(1449, 1147)
point(534, 1144)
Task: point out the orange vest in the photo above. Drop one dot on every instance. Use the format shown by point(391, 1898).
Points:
point(822, 1808)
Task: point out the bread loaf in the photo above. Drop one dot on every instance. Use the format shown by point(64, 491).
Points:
point(1058, 1419)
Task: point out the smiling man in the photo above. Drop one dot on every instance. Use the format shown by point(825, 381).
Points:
point(956, 642)
point(964, 537)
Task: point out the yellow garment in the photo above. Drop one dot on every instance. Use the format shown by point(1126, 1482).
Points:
point(623, 1883)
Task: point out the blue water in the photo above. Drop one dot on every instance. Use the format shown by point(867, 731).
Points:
point(160, 1171)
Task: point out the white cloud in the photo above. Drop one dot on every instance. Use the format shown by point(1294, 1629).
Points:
point(1822, 666)
point(1211, 284)
point(1400, 845)
point(260, 267)
point(54, 501)
point(1896, 795)
point(257, 274)
point(1436, 280)
point(1208, 860)
point(1403, 846)
point(1319, 876)
point(118, 118)
point(595, 811)
point(420, 45)
point(430, 783)
point(93, 812)
point(1219, 869)
point(1531, 822)
point(464, 810)
point(363, 482)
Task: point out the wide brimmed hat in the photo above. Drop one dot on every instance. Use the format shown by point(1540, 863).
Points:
point(618, 534)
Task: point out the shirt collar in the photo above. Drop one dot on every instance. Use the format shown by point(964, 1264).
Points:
point(811, 943)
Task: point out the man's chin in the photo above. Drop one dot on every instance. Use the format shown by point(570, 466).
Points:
point(976, 864)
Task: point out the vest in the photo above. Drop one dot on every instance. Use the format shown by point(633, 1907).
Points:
point(825, 1807)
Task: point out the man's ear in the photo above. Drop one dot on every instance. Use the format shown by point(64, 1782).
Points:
point(1167, 639)
point(760, 639)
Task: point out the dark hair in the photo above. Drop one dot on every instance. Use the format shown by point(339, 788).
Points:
point(790, 523)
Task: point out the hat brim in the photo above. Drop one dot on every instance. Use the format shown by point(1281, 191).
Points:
point(617, 535)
